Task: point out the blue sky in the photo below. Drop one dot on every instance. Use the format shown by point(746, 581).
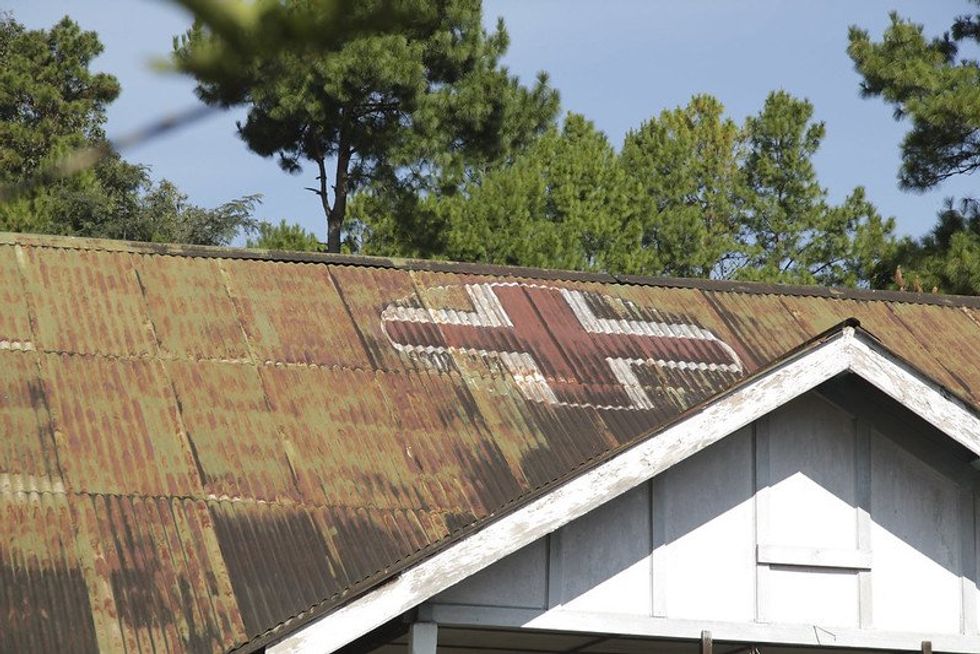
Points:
point(618, 62)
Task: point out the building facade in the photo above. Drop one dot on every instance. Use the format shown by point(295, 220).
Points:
point(216, 450)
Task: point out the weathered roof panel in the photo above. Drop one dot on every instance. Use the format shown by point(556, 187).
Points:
point(45, 605)
point(275, 548)
point(28, 458)
point(87, 302)
point(191, 310)
point(155, 574)
point(364, 289)
point(15, 322)
point(233, 438)
point(293, 313)
point(338, 430)
point(199, 444)
point(116, 427)
point(760, 322)
point(941, 334)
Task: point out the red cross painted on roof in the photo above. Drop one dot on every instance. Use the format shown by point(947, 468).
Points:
point(555, 347)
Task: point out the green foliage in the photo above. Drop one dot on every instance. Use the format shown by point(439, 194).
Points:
point(397, 221)
point(931, 83)
point(164, 215)
point(406, 106)
point(49, 100)
point(284, 236)
point(563, 203)
point(51, 105)
point(248, 30)
point(725, 201)
point(691, 194)
point(685, 165)
point(790, 231)
point(947, 259)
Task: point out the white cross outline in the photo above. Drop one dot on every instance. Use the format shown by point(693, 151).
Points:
point(488, 311)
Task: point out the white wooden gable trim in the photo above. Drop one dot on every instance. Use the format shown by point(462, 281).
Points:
point(846, 351)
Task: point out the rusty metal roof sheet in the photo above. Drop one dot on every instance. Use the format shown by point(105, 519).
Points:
point(199, 444)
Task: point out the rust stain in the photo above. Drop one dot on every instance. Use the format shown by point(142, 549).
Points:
point(87, 302)
point(233, 438)
point(759, 321)
point(15, 322)
point(365, 292)
point(199, 444)
point(28, 459)
point(293, 313)
point(116, 426)
point(157, 568)
point(942, 332)
point(340, 425)
point(193, 315)
point(44, 603)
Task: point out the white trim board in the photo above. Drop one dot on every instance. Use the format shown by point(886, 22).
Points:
point(919, 394)
point(845, 351)
point(813, 557)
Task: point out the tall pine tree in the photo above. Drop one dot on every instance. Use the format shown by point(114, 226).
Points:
point(934, 84)
point(791, 232)
point(688, 197)
point(563, 203)
point(405, 108)
point(691, 194)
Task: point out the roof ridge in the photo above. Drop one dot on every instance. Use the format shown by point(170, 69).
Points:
point(715, 285)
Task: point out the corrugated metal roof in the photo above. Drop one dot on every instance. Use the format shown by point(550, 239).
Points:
point(199, 444)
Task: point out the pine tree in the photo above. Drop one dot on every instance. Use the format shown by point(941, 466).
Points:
point(947, 259)
point(404, 107)
point(791, 233)
point(692, 194)
point(685, 165)
point(933, 85)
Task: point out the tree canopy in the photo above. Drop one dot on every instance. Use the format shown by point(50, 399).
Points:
point(692, 193)
point(933, 84)
point(794, 234)
point(684, 165)
point(423, 144)
point(284, 236)
point(412, 104)
point(563, 203)
point(947, 259)
point(52, 104)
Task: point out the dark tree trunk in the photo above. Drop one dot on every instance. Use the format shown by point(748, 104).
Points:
point(325, 203)
point(336, 215)
point(334, 221)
